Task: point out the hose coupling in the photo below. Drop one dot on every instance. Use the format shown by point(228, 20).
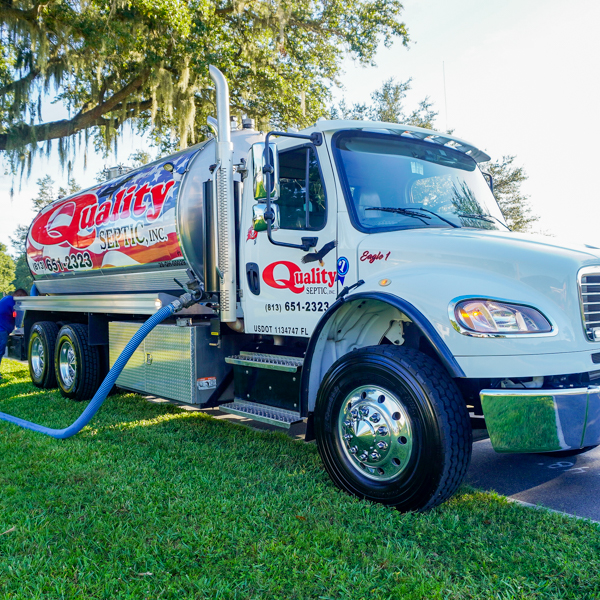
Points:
point(186, 300)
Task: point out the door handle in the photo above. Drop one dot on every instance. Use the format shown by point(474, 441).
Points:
point(253, 276)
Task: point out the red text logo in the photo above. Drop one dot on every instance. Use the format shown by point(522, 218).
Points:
point(74, 221)
point(366, 255)
point(290, 276)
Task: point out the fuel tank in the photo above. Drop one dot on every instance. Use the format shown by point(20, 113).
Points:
point(136, 233)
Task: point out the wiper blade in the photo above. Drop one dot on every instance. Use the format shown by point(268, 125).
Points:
point(488, 218)
point(412, 212)
point(438, 216)
point(400, 211)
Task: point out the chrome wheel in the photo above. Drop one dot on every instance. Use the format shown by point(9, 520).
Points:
point(67, 364)
point(38, 358)
point(375, 432)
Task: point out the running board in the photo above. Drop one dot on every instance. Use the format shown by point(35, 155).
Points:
point(275, 362)
point(261, 412)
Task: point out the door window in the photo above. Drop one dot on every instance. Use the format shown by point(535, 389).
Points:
point(302, 203)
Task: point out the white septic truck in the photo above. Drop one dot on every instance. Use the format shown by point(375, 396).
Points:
point(358, 276)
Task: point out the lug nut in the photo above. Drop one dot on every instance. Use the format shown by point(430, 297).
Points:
point(382, 431)
point(374, 456)
point(347, 423)
point(354, 413)
point(382, 445)
point(354, 450)
point(375, 417)
point(364, 410)
point(348, 436)
point(363, 456)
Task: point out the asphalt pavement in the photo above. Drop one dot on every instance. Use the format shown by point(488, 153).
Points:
point(567, 484)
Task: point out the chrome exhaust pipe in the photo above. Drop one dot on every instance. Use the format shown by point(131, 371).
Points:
point(224, 198)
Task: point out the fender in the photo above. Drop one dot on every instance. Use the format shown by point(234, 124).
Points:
point(446, 357)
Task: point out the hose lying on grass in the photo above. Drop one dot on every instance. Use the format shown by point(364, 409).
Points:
point(111, 377)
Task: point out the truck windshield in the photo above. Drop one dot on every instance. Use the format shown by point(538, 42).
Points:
point(392, 182)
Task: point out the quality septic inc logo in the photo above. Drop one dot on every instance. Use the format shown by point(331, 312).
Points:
point(284, 274)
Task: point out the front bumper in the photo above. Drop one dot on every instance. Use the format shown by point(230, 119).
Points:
point(536, 420)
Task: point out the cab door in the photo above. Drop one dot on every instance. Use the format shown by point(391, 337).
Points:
point(286, 290)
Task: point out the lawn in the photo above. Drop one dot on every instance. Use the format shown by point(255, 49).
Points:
point(151, 501)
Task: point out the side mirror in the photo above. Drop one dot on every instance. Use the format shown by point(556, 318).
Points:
point(258, 153)
point(259, 223)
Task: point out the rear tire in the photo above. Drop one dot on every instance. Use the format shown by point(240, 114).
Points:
point(392, 427)
point(76, 363)
point(40, 354)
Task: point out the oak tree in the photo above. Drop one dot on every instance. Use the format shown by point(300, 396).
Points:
point(146, 61)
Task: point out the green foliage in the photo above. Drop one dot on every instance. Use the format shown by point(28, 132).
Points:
point(387, 105)
point(23, 278)
point(19, 238)
point(155, 501)
point(140, 158)
point(507, 188)
point(147, 61)
point(7, 271)
point(46, 193)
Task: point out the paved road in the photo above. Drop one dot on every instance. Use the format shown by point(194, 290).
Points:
point(569, 484)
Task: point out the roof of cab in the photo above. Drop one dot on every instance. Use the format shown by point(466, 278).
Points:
point(409, 131)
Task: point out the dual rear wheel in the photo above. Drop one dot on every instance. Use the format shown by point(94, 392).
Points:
point(63, 358)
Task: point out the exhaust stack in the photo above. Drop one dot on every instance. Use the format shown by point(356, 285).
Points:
point(224, 198)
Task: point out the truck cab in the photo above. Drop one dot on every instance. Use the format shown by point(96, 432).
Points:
point(358, 276)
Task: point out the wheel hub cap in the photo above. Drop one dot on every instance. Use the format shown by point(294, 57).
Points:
point(67, 364)
point(375, 432)
point(37, 357)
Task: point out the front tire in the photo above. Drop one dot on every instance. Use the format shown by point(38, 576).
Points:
point(77, 364)
point(392, 427)
point(40, 354)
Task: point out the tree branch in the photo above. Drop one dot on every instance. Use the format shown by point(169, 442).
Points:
point(13, 85)
point(82, 120)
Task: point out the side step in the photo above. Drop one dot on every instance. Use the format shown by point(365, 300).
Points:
point(261, 412)
point(275, 362)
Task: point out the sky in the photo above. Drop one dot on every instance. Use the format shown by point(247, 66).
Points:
point(521, 78)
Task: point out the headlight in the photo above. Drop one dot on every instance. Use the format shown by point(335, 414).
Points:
point(497, 318)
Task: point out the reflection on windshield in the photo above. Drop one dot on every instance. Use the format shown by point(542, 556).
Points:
point(399, 175)
point(468, 208)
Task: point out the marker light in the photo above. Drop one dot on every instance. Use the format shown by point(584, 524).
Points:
point(158, 304)
point(385, 282)
point(491, 316)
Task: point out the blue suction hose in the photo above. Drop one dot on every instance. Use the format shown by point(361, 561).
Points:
point(111, 377)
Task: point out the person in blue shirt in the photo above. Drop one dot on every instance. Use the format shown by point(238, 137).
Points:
point(7, 320)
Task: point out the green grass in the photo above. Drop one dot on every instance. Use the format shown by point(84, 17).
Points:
point(151, 501)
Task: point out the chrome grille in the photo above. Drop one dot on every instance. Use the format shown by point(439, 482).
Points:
point(589, 294)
